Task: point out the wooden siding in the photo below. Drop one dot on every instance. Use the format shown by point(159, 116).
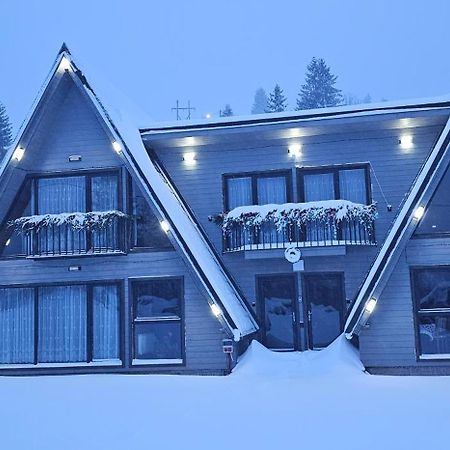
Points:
point(225, 152)
point(69, 126)
point(389, 341)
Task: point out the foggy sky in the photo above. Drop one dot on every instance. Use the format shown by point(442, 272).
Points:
point(217, 52)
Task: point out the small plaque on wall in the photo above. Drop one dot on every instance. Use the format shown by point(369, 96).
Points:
point(74, 158)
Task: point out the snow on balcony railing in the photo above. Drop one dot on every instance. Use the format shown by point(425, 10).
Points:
point(321, 223)
point(73, 233)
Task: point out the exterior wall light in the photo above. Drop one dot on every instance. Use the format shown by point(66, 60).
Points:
point(18, 153)
point(117, 147)
point(215, 309)
point(295, 150)
point(406, 142)
point(189, 158)
point(8, 242)
point(65, 63)
point(418, 213)
point(371, 305)
point(165, 226)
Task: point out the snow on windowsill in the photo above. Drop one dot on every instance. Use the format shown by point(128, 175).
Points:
point(158, 362)
point(100, 362)
point(437, 356)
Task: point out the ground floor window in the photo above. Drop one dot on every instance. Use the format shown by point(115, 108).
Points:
point(157, 320)
point(431, 291)
point(59, 324)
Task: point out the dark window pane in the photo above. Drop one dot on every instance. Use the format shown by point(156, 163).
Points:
point(62, 324)
point(277, 297)
point(325, 302)
point(16, 326)
point(435, 219)
point(434, 334)
point(157, 340)
point(157, 298)
point(105, 322)
point(432, 288)
point(147, 230)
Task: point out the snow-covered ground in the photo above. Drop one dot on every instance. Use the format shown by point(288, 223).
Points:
point(312, 401)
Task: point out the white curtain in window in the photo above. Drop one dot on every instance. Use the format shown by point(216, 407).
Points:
point(271, 190)
point(318, 187)
point(352, 185)
point(239, 192)
point(106, 322)
point(105, 198)
point(16, 325)
point(61, 194)
point(62, 324)
point(58, 195)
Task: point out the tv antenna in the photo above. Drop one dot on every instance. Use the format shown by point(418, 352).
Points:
point(187, 108)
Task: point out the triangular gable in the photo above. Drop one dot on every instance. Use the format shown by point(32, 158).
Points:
point(404, 225)
point(125, 138)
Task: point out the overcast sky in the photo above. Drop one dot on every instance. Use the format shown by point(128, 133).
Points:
point(217, 52)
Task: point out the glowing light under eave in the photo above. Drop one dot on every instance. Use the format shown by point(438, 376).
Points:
point(65, 63)
point(371, 305)
point(18, 153)
point(215, 309)
point(165, 226)
point(419, 212)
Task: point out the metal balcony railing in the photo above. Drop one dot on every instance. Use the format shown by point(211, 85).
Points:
point(65, 240)
point(312, 234)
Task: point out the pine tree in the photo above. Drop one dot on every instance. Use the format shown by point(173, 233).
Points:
point(260, 102)
point(277, 101)
point(5, 131)
point(227, 111)
point(318, 90)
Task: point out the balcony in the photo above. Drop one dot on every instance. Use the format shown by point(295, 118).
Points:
point(74, 234)
point(314, 224)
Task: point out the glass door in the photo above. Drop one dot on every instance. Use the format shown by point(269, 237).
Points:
point(324, 295)
point(277, 300)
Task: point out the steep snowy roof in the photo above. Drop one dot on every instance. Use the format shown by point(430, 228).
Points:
point(122, 120)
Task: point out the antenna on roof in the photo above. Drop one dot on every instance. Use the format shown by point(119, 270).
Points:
point(63, 49)
point(187, 108)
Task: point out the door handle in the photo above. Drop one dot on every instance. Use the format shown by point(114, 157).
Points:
point(309, 316)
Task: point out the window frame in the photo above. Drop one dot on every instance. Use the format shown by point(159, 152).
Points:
point(413, 271)
point(135, 362)
point(120, 362)
point(286, 173)
point(333, 169)
point(88, 174)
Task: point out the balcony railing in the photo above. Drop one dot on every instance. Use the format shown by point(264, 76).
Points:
point(108, 234)
point(314, 234)
point(314, 224)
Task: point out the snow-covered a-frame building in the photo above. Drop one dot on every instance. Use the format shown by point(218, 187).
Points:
point(131, 246)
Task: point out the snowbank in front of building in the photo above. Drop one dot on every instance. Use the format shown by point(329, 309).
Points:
point(312, 401)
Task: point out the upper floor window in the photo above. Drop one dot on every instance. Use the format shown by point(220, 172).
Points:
point(435, 220)
point(54, 195)
point(146, 230)
point(257, 189)
point(334, 183)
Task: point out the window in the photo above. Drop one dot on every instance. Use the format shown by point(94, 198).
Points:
point(435, 220)
point(157, 323)
point(431, 291)
point(257, 189)
point(334, 183)
point(59, 324)
point(147, 232)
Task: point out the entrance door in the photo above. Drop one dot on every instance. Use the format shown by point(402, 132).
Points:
point(277, 300)
point(324, 295)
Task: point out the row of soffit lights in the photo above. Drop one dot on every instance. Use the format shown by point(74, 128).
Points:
point(295, 150)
